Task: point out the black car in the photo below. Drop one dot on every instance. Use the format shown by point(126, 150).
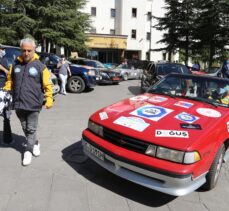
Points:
point(81, 77)
point(156, 71)
point(104, 75)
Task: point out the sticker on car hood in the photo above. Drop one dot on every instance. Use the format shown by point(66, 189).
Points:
point(184, 104)
point(103, 115)
point(191, 126)
point(208, 112)
point(172, 133)
point(151, 112)
point(140, 97)
point(157, 99)
point(134, 123)
point(185, 117)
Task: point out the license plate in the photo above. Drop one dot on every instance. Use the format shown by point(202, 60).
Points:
point(94, 151)
point(116, 79)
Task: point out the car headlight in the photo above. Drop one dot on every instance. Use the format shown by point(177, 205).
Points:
point(97, 129)
point(91, 73)
point(172, 154)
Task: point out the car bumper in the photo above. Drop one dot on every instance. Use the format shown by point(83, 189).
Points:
point(177, 185)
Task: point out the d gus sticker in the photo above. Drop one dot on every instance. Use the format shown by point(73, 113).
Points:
point(172, 133)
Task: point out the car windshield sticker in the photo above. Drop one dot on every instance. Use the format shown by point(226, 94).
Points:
point(172, 133)
point(191, 126)
point(103, 115)
point(140, 97)
point(134, 123)
point(151, 112)
point(157, 99)
point(185, 117)
point(208, 112)
point(184, 104)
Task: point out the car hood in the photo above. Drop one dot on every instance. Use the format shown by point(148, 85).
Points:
point(162, 120)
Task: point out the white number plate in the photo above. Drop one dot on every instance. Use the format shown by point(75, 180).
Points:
point(94, 151)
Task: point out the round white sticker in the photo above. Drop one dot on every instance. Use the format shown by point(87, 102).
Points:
point(208, 112)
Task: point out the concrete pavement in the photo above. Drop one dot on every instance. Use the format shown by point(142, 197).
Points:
point(61, 179)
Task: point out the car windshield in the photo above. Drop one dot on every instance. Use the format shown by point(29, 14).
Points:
point(210, 90)
point(95, 64)
point(164, 69)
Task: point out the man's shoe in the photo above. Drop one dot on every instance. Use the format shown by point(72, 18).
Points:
point(36, 150)
point(27, 158)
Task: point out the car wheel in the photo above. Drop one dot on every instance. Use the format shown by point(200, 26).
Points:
point(214, 171)
point(125, 77)
point(76, 84)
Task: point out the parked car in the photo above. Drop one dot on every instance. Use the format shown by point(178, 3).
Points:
point(213, 71)
point(172, 139)
point(13, 52)
point(104, 75)
point(155, 71)
point(128, 72)
point(81, 78)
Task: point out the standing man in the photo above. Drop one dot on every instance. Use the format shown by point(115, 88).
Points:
point(30, 82)
point(7, 134)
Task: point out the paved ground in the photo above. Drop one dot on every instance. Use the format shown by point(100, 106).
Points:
point(62, 180)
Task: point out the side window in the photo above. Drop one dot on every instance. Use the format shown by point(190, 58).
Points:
point(93, 11)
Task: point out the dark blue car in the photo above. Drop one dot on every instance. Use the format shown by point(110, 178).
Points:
point(81, 78)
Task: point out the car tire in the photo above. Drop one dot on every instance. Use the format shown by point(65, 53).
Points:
point(125, 77)
point(76, 84)
point(214, 171)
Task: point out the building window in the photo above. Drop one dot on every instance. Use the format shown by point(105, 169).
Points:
point(112, 31)
point(93, 30)
point(134, 12)
point(93, 11)
point(149, 15)
point(133, 33)
point(148, 36)
point(113, 13)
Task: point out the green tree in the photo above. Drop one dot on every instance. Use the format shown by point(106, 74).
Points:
point(54, 22)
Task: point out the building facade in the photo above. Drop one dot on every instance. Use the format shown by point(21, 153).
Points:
point(123, 29)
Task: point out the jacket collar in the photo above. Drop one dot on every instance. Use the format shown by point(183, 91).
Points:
point(35, 57)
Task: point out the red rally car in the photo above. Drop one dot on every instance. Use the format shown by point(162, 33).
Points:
point(172, 139)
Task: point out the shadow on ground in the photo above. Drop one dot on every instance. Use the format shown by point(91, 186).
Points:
point(84, 166)
point(18, 145)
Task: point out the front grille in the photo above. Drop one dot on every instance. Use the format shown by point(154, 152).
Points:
point(124, 141)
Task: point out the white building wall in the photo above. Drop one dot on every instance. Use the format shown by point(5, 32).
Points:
point(123, 23)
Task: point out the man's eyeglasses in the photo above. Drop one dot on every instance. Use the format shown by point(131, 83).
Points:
point(25, 50)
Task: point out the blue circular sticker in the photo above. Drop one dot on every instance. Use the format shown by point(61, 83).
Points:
point(187, 117)
point(151, 111)
point(33, 71)
point(17, 70)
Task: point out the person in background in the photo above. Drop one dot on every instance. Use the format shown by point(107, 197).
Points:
point(7, 133)
point(29, 80)
point(225, 69)
point(196, 66)
point(64, 71)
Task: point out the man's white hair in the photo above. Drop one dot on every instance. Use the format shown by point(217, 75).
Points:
point(28, 40)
